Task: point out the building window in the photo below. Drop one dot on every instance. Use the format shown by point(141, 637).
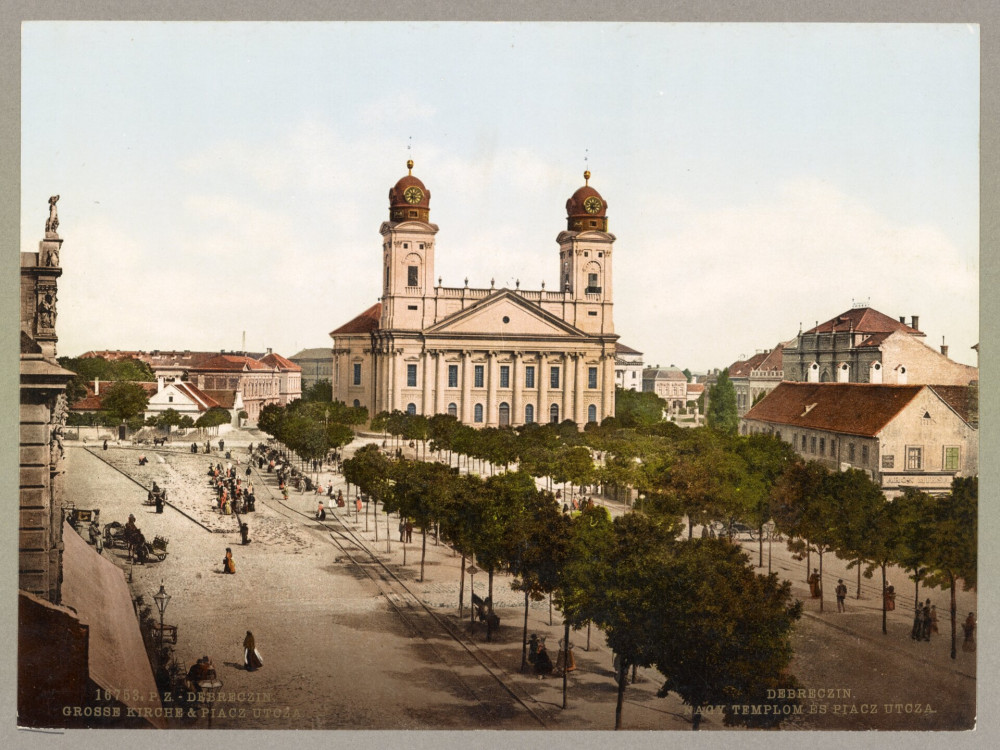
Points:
point(411, 275)
point(591, 377)
point(554, 377)
point(477, 413)
point(812, 444)
point(914, 458)
point(505, 376)
point(850, 452)
point(453, 409)
point(357, 373)
point(411, 376)
point(833, 447)
point(591, 413)
point(411, 409)
point(864, 455)
point(529, 413)
point(803, 443)
point(504, 414)
point(593, 284)
point(478, 376)
point(357, 404)
point(170, 399)
point(529, 376)
point(453, 376)
point(951, 455)
point(554, 413)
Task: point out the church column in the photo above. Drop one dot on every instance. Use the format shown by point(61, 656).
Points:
point(581, 391)
point(427, 378)
point(608, 407)
point(465, 408)
point(568, 386)
point(516, 400)
point(442, 369)
point(398, 372)
point(491, 417)
point(542, 412)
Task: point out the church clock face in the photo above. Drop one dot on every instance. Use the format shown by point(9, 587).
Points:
point(413, 194)
point(592, 205)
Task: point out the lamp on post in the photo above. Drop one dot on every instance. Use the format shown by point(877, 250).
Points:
point(162, 599)
point(472, 570)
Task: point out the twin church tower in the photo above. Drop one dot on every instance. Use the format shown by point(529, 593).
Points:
point(490, 357)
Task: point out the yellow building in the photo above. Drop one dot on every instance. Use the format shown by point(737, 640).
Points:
point(490, 357)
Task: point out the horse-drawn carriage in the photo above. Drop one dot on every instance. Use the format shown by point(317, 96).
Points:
point(157, 493)
point(117, 535)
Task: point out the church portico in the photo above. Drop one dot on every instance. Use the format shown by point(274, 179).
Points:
point(491, 357)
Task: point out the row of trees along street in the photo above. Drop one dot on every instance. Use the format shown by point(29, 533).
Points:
point(690, 606)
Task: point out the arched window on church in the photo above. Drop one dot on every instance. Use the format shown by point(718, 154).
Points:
point(357, 404)
point(529, 413)
point(453, 409)
point(592, 413)
point(504, 414)
point(554, 413)
point(844, 373)
point(875, 373)
point(411, 409)
point(477, 413)
point(813, 373)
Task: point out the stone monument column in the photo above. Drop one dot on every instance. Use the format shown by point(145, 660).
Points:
point(465, 408)
point(542, 414)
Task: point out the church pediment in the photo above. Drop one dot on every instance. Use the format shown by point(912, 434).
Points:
point(504, 315)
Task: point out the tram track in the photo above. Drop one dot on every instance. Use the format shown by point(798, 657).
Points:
point(411, 609)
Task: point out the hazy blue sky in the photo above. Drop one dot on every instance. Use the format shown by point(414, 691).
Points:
point(230, 177)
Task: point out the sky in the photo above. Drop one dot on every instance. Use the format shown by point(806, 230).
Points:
point(227, 179)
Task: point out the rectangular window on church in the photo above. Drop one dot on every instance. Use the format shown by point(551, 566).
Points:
point(593, 285)
point(529, 376)
point(591, 377)
point(411, 275)
point(505, 376)
point(478, 377)
point(951, 455)
point(453, 376)
point(411, 376)
point(554, 377)
point(357, 373)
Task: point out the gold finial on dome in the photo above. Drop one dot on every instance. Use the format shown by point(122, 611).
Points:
point(586, 177)
point(409, 166)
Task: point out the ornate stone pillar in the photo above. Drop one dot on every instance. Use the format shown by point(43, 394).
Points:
point(465, 408)
point(608, 406)
point(568, 386)
point(427, 378)
point(582, 386)
point(491, 417)
point(542, 411)
point(517, 397)
point(398, 372)
point(442, 370)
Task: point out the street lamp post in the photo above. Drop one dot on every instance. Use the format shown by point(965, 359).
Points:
point(472, 570)
point(162, 599)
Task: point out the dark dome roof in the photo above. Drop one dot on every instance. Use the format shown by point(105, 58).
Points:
point(398, 197)
point(586, 205)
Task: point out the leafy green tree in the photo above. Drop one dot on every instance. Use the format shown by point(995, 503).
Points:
point(185, 421)
point(321, 391)
point(422, 491)
point(915, 516)
point(214, 417)
point(954, 541)
point(687, 374)
point(371, 472)
point(169, 418)
point(271, 419)
point(442, 432)
point(718, 632)
point(766, 458)
point(722, 413)
point(124, 401)
point(638, 408)
point(860, 506)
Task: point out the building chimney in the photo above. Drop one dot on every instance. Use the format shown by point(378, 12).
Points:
point(97, 386)
point(916, 322)
point(902, 319)
point(159, 383)
point(268, 350)
point(944, 347)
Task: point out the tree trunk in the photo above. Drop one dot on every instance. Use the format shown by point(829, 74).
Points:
point(490, 591)
point(695, 717)
point(461, 589)
point(884, 630)
point(916, 590)
point(588, 636)
point(808, 560)
point(566, 658)
point(760, 546)
point(951, 579)
point(374, 520)
point(550, 608)
point(388, 536)
point(622, 671)
point(859, 580)
point(524, 637)
point(423, 550)
point(820, 581)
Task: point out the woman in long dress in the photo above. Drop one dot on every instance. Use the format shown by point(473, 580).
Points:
point(251, 658)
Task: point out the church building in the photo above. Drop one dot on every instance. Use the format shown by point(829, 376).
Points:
point(491, 357)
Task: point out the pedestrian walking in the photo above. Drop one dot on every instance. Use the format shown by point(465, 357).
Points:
point(889, 595)
point(251, 656)
point(244, 534)
point(841, 595)
point(916, 630)
point(409, 530)
point(158, 498)
point(320, 512)
point(814, 584)
point(228, 564)
point(402, 529)
point(969, 628)
point(933, 621)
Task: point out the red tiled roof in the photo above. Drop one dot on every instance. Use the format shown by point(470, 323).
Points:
point(231, 363)
point(276, 360)
point(854, 408)
point(225, 399)
point(862, 320)
point(366, 322)
point(742, 368)
point(773, 360)
point(875, 340)
point(622, 349)
point(695, 388)
point(957, 397)
point(92, 402)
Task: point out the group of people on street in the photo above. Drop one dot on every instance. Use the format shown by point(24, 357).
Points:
point(925, 621)
point(232, 495)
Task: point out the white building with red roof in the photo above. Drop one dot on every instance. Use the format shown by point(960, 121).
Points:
point(258, 384)
point(289, 377)
point(628, 367)
point(919, 436)
point(863, 345)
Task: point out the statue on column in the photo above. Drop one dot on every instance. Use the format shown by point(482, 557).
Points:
point(53, 221)
point(47, 309)
point(56, 423)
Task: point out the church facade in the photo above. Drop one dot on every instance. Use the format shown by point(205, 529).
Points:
point(490, 357)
